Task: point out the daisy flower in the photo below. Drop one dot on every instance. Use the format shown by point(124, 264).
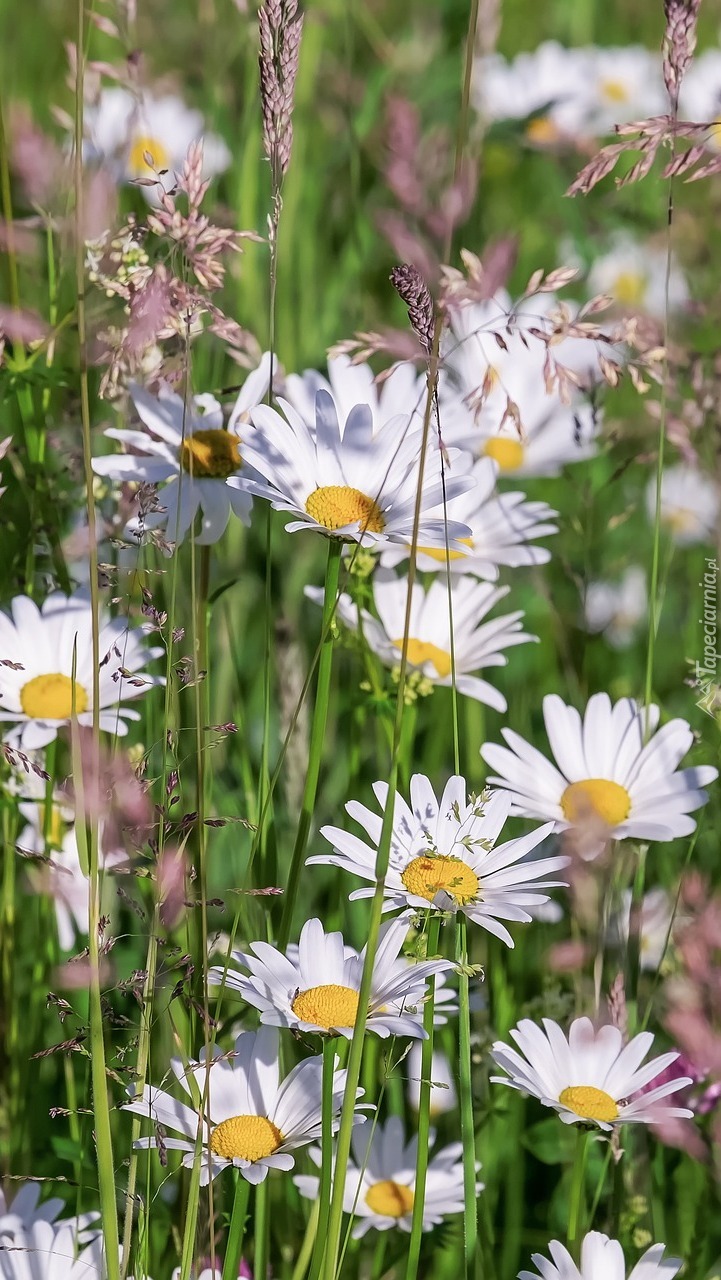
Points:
point(477, 644)
point(689, 504)
point(548, 84)
point(617, 608)
point(444, 1097)
point(402, 393)
point(622, 84)
point(49, 1251)
point(347, 482)
point(652, 927)
point(502, 528)
point(551, 433)
point(253, 1120)
point(380, 1180)
point(601, 1259)
point(187, 452)
point(47, 671)
point(24, 1210)
point(319, 990)
point(123, 127)
point(62, 877)
point(634, 275)
point(603, 771)
point(443, 853)
point(208, 1273)
point(591, 1077)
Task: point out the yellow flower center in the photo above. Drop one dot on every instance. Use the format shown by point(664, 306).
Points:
point(138, 165)
point(56, 826)
point(614, 90)
point(389, 1199)
point(245, 1138)
point(50, 697)
point(716, 132)
point(596, 797)
point(629, 288)
point(542, 131)
point(211, 455)
point(439, 553)
point(421, 651)
point(679, 519)
point(589, 1103)
point(506, 451)
point(426, 875)
point(337, 505)
point(328, 1006)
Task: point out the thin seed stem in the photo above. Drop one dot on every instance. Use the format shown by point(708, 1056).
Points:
point(576, 1205)
point(326, 1149)
point(424, 1111)
point(468, 1132)
point(317, 738)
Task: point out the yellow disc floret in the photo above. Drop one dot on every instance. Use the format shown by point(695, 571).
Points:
point(589, 1103)
point(330, 1006)
point(614, 90)
point(439, 553)
point(245, 1138)
point(337, 505)
point(425, 876)
point(211, 455)
point(596, 797)
point(389, 1199)
point(138, 165)
point(629, 288)
point(422, 651)
point(506, 451)
point(51, 697)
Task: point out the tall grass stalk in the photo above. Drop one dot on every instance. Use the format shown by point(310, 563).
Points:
point(329, 1048)
point(317, 739)
point(424, 1109)
point(468, 1128)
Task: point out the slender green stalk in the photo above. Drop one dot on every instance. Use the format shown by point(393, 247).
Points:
point(236, 1231)
point(262, 1229)
point(326, 1149)
point(306, 1249)
point(355, 1056)
point(601, 1184)
point(468, 1132)
point(141, 1069)
point(576, 1205)
point(424, 1112)
point(317, 737)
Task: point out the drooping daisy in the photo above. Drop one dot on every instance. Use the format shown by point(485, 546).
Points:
point(622, 84)
point(689, 504)
point(62, 877)
point(187, 451)
point(348, 481)
point(634, 275)
point(123, 128)
point(551, 433)
point(319, 990)
point(502, 525)
point(589, 1077)
point(616, 609)
point(47, 674)
point(380, 1180)
point(442, 853)
point(444, 1097)
point(401, 394)
point(253, 1120)
point(652, 927)
point(601, 1259)
point(477, 644)
point(603, 772)
point(208, 1273)
point(49, 1251)
point(546, 86)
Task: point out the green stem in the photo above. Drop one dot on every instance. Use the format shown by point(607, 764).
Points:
point(262, 1230)
point(236, 1231)
point(326, 1149)
point(141, 1069)
point(317, 737)
point(468, 1132)
point(424, 1112)
point(306, 1249)
point(601, 1184)
point(575, 1210)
